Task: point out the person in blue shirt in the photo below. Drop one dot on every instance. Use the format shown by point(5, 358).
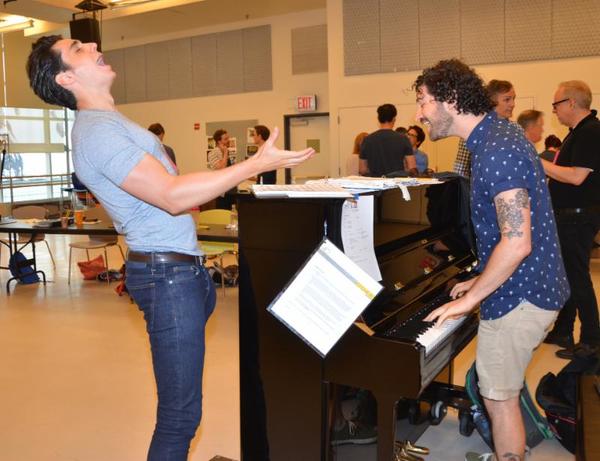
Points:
point(521, 284)
point(416, 136)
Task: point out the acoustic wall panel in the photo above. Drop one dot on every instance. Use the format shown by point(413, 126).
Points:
point(204, 65)
point(258, 70)
point(309, 49)
point(116, 60)
point(528, 30)
point(230, 68)
point(575, 28)
point(361, 37)
point(180, 68)
point(439, 22)
point(135, 74)
point(482, 31)
point(157, 71)
point(399, 35)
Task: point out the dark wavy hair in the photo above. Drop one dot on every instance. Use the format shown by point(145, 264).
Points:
point(43, 65)
point(454, 82)
point(420, 133)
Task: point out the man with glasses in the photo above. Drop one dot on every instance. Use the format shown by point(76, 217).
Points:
point(575, 189)
point(521, 283)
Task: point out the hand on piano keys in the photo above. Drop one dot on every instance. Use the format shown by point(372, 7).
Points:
point(458, 307)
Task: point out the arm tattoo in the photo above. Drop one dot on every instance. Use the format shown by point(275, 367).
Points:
point(511, 457)
point(509, 214)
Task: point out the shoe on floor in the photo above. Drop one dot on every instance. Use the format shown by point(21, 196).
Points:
point(579, 350)
point(559, 340)
point(353, 432)
point(471, 456)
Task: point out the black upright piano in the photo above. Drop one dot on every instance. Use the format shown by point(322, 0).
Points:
point(423, 247)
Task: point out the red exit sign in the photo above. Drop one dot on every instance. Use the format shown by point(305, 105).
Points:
point(306, 103)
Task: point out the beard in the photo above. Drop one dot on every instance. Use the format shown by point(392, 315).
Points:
point(439, 127)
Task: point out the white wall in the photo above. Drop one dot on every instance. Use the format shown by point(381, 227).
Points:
point(534, 82)
point(178, 116)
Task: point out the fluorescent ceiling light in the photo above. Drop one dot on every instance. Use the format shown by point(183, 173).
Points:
point(16, 26)
point(123, 3)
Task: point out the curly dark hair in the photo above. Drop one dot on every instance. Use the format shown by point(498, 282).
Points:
point(43, 65)
point(454, 82)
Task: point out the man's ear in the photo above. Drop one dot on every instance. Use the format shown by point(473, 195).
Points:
point(64, 78)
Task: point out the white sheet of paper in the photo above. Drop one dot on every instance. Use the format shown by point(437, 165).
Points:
point(325, 298)
point(357, 234)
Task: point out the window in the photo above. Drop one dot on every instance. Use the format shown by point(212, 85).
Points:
point(38, 155)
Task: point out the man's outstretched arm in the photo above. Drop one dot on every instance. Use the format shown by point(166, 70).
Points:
point(149, 180)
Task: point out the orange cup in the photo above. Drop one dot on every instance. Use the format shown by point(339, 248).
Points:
point(78, 215)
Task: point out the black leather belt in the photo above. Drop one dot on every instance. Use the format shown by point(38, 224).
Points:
point(163, 257)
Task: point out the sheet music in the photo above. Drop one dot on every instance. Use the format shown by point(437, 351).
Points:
point(357, 234)
point(324, 298)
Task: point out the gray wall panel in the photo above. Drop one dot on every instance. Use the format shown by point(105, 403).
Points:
point(309, 49)
point(582, 16)
point(399, 35)
point(482, 31)
point(258, 70)
point(180, 68)
point(157, 71)
point(117, 61)
point(361, 37)
point(230, 68)
point(525, 42)
point(135, 74)
point(439, 22)
point(204, 65)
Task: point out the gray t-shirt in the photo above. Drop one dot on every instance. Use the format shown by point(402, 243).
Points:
point(106, 147)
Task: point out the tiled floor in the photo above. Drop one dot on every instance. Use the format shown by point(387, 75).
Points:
point(76, 381)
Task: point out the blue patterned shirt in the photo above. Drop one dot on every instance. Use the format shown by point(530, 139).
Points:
point(502, 159)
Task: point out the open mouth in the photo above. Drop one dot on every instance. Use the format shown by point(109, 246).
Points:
point(100, 61)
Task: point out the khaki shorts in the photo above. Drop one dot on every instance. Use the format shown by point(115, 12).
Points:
point(505, 346)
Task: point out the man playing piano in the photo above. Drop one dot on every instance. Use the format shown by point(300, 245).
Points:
point(521, 283)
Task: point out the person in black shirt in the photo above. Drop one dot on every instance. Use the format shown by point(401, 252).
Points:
point(384, 151)
point(261, 134)
point(575, 189)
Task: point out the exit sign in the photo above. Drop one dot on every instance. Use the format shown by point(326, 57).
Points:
point(306, 103)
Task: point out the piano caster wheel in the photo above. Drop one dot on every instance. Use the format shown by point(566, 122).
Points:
point(414, 412)
point(466, 426)
point(437, 413)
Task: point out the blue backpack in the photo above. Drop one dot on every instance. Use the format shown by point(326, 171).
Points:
point(25, 273)
point(536, 426)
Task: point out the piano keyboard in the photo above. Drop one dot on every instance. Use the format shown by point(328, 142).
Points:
point(433, 336)
point(425, 333)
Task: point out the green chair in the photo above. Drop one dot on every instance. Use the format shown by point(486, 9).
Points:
point(217, 250)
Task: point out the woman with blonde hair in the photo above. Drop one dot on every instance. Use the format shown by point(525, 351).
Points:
point(352, 162)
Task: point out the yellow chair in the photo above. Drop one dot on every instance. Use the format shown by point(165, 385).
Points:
point(96, 242)
point(217, 250)
point(31, 212)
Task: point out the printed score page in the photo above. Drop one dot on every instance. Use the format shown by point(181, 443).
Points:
point(357, 234)
point(325, 298)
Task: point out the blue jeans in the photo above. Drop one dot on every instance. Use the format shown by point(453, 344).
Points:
point(176, 299)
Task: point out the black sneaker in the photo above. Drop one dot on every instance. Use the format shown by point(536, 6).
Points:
point(353, 432)
point(579, 350)
point(562, 341)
